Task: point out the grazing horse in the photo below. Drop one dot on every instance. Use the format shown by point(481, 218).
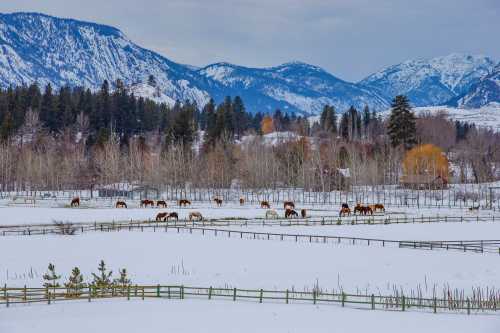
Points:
point(121, 204)
point(473, 208)
point(146, 203)
point(265, 204)
point(161, 217)
point(365, 210)
point(184, 202)
point(161, 203)
point(75, 202)
point(303, 213)
point(345, 211)
point(288, 204)
point(271, 214)
point(379, 207)
point(290, 213)
point(358, 208)
point(218, 201)
point(344, 205)
point(173, 215)
point(195, 215)
point(242, 201)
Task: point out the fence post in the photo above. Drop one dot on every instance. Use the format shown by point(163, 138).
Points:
point(25, 296)
point(234, 294)
point(373, 302)
point(435, 305)
point(287, 296)
point(468, 306)
point(143, 293)
point(158, 291)
point(314, 296)
point(90, 293)
point(182, 292)
point(128, 293)
point(47, 292)
point(261, 295)
point(210, 292)
point(403, 302)
point(343, 298)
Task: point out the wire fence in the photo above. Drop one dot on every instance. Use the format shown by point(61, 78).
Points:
point(478, 303)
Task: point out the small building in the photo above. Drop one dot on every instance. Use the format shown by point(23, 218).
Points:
point(423, 182)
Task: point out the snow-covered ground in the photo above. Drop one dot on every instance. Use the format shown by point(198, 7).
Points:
point(193, 316)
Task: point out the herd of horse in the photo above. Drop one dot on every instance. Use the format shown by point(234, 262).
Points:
point(288, 206)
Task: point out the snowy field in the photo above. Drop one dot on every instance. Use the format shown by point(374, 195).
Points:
point(192, 316)
point(194, 259)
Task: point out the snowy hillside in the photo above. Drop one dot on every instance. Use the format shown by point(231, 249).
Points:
point(486, 91)
point(433, 81)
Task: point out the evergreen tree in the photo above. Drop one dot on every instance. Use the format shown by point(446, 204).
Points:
point(75, 283)
point(402, 128)
point(102, 280)
point(47, 110)
point(344, 126)
point(51, 277)
point(6, 127)
point(123, 281)
point(240, 116)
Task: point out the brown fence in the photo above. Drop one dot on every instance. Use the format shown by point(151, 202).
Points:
point(482, 304)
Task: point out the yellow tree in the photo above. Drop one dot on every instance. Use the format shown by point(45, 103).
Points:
point(267, 125)
point(426, 160)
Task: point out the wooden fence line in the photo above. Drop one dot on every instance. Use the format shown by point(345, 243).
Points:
point(487, 304)
point(477, 246)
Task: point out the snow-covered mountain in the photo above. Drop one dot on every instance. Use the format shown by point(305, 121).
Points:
point(485, 92)
point(431, 81)
point(45, 49)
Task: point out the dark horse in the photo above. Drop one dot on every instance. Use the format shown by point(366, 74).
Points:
point(265, 204)
point(290, 213)
point(288, 204)
point(161, 217)
point(121, 204)
point(146, 203)
point(303, 213)
point(242, 201)
point(345, 211)
point(218, 201)
point(173, 215)
point(344, 205)
point(75, 202)
point(161, 203)
point(184, 202)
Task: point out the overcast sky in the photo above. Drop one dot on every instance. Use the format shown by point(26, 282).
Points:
point(349, 38)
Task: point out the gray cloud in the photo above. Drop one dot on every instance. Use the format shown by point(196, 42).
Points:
point(350, 38)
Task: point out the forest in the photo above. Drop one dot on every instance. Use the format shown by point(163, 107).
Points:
point(75, 138)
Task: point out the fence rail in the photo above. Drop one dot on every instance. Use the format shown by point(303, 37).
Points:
point(485, 304)
point(476, 246)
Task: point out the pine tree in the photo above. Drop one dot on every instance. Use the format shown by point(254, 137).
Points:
point(102, 280)
point(328, 119)
point(6, 127)
point(123, 281)
point(51, 278)
point(402, 128)
point(344, 126)
point(75, 283)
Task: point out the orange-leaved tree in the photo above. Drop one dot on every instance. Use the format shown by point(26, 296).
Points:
point(267, 125)
point(428, 160)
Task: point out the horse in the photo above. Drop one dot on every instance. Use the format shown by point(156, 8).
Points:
point(146, 203)
point(242, 201)
point(288, 204)
point(161, 203)
point(345, 211)
point(358, 208)
point(218, 201)
point(121, 204)
point(365, 210)
point(473, 208)
point(173, 215)
point(379, 207)
point(75, 202)
point(271, 214)
point(161, 217)
point(344, 205)
point(290, 213)
point(195, 215)
point(265, 204)
point(303, 213)
point(184, 202)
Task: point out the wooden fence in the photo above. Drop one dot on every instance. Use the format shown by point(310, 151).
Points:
point(477, 246)
point(482, 304)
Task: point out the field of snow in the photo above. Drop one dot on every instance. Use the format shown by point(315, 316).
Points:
point(193, 316)
point(193, 259)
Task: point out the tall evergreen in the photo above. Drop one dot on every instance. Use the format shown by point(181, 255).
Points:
point(328, 119)
point(344, 126)
point(402, 128)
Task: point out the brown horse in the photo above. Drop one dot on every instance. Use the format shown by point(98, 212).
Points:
point(218, 201)
point(303, 213)
point(184, 202)
point(146, 203)
point(265, 204)
point(161, 203)
point(344, 205)
point(195, 215)
point(379, 207)
point(75, 202)
point(358, 209)
point(161, 217)
point(173, 215)
point(288, 204)
point(121, 204)
point(242, 201)
point(345, 211)
point(365, 210)
point(290, 213)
